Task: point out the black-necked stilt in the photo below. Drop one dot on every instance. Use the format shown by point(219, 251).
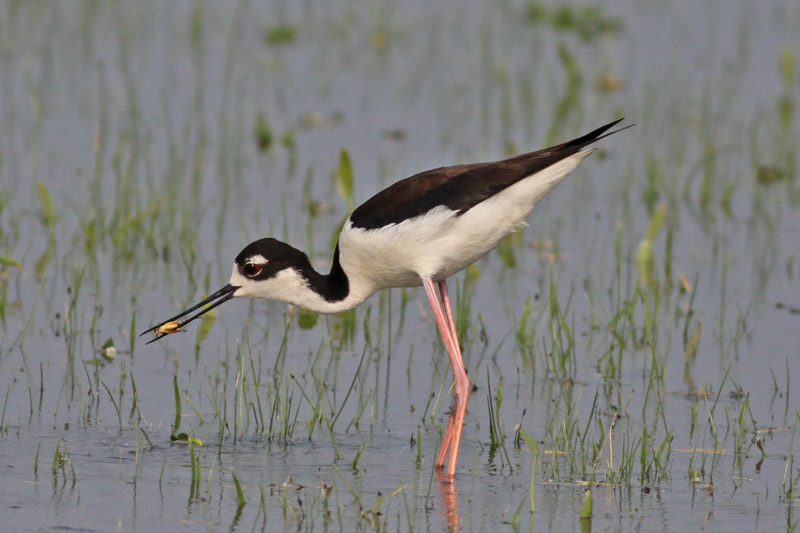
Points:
point(419, 231)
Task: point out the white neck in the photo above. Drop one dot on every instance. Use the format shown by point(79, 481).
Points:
point(328, 294)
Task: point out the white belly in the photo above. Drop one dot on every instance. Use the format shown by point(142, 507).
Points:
point(440, 243)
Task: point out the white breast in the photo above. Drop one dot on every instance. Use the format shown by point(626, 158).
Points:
point(441, 243)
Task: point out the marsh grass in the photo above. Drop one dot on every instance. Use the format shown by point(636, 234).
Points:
point(673, 288)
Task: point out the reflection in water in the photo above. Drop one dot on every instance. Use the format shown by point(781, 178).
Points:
point(447, 488)
point(164, 134)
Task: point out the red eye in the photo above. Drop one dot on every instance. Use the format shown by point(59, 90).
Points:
point(251, 269)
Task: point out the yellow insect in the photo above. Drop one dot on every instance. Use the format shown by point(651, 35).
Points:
point(169, 327)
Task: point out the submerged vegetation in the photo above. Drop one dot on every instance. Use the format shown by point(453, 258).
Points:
point(637, 340)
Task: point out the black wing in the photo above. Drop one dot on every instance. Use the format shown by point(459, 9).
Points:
point(461, 187)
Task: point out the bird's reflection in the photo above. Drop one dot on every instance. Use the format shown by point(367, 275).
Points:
point(447, 489)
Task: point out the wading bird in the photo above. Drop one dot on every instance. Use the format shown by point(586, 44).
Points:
point(419, 231)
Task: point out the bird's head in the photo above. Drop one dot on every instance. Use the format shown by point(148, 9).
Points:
point(266, 268)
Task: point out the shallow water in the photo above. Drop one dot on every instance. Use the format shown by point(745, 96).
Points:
point(131, 175)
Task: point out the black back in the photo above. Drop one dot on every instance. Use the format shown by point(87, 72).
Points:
point(461, 187)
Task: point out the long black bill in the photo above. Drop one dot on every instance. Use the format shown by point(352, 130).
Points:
point(218, 298)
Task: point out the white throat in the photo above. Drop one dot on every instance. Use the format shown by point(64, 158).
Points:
point(291, 287)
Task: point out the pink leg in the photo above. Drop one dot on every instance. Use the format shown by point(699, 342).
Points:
point(452, 341)
point(461, 392)
point(444, 319)
point(445, 294)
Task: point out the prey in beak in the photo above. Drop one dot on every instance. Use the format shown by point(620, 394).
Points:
point(174, 325)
